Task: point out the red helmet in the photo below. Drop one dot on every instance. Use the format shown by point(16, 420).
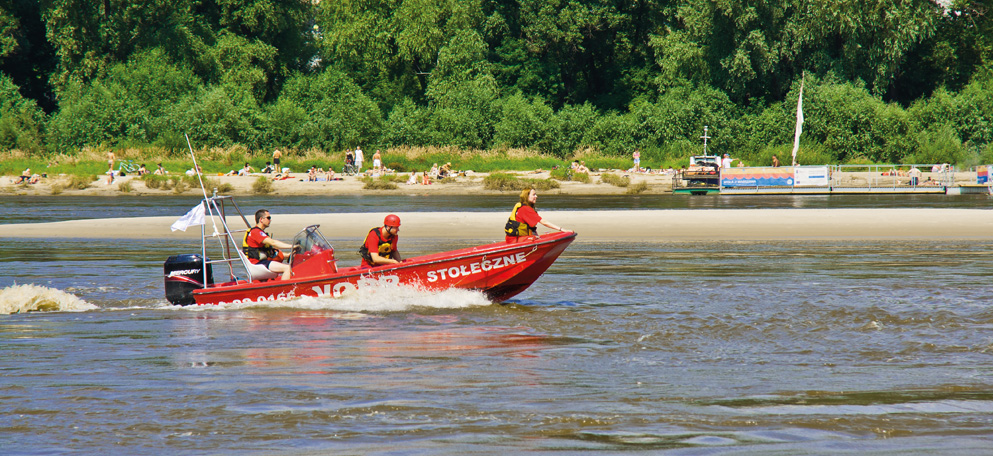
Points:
point(392, 220)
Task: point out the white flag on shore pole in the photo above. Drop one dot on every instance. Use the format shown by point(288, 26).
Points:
point(799, 123)
point(194, 217)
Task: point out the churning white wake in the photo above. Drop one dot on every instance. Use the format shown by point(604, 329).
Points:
point(36, 298)
point(378, 296)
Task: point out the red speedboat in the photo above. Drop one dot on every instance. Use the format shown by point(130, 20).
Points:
point(500, 270)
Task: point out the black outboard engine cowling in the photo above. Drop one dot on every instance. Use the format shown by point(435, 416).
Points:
point(183, 274)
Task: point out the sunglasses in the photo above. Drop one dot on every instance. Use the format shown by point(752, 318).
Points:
point(268, 217)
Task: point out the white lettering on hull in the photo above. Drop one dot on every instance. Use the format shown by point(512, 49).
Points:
point(486, 265)
point(341, 288)
point(282, 296)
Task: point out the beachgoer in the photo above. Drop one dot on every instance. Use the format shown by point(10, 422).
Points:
point(380, 246)
point(261, 249)
point(359, 158)
point(349, 163)
point(426, 179)
point(276, 154)
point(268, 168)
point(637, 160)
point(413, 178)
point(110, 159)
point(246, 170)
point(110, 176)
point(434, 170)
point(775, 161)
point(524, 218)
point(377, 162)
point(161, 171)
point(25, 176)
point(445, 170)
point(142, 171)
point(330, 175)
point(915, 175)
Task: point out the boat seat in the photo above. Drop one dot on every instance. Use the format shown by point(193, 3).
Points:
point(259, 272)
point(256, 271)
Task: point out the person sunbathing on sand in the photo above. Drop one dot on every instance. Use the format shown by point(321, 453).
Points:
point(25, 176)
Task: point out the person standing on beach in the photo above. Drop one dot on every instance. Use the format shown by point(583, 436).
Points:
point(380, 246)
point(275, 160)
point(524, 219)
point(637, 160)
point(775, 162)
point(359, 158)
point(110, 159)
point(261, 249)
point(377, 162)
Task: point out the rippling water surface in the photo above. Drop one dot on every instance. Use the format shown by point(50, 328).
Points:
point(690, 348)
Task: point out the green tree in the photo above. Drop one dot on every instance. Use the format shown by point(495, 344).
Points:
point(128, 104)
point(326, 110)
point(21, 120)
point(390, 47)
point(566, 129)
point(854, 124)
point(462, 92)
point(408, 125)
point(523, 122)
point(735, 45)
point(863, 40)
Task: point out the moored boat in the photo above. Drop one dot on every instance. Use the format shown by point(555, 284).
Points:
point(500, 270)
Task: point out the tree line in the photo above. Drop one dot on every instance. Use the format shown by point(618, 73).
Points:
point(882, 81)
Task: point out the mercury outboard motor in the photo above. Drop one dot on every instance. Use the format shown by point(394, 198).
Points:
point(183, 274)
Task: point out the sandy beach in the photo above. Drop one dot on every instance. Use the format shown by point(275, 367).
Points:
point(592, 226)
point(621, 225)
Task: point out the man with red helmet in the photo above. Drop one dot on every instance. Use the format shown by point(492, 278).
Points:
point(380, 246)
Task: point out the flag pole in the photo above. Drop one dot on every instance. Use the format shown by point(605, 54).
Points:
point(799, 119)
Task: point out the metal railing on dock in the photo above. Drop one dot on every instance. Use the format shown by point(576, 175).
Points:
point(824, 179)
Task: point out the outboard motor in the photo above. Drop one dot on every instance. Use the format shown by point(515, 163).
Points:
point(183, 274)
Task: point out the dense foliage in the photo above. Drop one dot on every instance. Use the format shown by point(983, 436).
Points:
point(882, 81)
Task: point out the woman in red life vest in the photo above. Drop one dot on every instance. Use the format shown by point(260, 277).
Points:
point(380, 246)
point(524, 219)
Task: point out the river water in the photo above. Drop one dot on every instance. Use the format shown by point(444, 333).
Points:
point(679, 348)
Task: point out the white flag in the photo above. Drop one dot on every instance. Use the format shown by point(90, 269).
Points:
point(192, 218)
point(799, 123)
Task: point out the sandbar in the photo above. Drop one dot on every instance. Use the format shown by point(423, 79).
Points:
point(663, 225)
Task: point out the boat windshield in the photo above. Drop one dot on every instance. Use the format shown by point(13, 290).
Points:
point(310, 239)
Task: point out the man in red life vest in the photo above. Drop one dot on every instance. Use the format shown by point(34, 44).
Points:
point(524, 219)
point(261, 249)
point(380, 246)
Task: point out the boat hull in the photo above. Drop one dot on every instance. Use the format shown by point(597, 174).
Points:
point(500, 270)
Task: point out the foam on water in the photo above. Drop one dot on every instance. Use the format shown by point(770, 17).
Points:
point(376, 296)
point(36, 298)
